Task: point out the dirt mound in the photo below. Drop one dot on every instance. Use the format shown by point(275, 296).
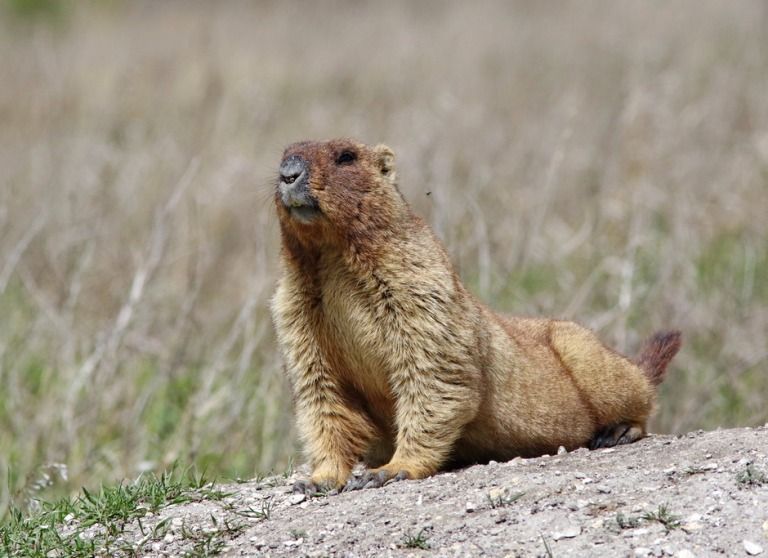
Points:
point(699, 494)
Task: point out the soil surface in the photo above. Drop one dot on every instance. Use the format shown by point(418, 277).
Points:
point(699, 494)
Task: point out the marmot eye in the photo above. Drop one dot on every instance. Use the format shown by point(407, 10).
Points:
point(346, 157)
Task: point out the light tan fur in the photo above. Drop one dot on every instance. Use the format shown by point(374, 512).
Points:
point(393, 361)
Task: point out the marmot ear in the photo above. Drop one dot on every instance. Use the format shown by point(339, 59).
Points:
point(386, 160)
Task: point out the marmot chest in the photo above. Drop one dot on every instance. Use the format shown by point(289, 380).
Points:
point(356, 338)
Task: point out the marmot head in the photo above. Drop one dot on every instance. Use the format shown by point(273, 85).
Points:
point(336, 190)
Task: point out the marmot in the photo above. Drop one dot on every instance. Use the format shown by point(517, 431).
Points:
point(392, 361)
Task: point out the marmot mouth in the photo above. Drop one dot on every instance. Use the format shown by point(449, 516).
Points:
point(304, 213)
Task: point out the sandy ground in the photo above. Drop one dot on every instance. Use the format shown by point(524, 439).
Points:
point(584, 503)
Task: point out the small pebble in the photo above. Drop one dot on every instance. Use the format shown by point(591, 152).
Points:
point(561, 450)
point(496, 493)
point(296, 499)
point(642, 551)
point(567, 533)
point(692, 527)
point(470, 507)
point(752, 548)
point(685, 553)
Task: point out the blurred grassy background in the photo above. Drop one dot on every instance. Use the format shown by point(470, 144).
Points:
point(601, 161)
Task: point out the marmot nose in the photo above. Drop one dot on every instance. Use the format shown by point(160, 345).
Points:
point(292, 168)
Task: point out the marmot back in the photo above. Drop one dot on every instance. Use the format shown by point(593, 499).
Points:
point(392, 361)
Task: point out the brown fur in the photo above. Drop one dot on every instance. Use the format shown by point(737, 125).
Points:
point(393, 361)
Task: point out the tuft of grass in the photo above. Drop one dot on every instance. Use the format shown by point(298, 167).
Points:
point(93, 521)
point(289, 468)
point(547, 548)
point(694, 470)
point(299, 534)
point(264, 511)
point(627, 522)
point(207, 543)
point(504, 499)
point(664, 516)
point(751, 476)
point(419, 540)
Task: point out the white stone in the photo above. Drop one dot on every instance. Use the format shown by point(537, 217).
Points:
point(296, 499)
point(569, 532)
point(642, 551)
point(496, 493)
point(685, 553)
point(561, 450)
point(752, 548)
point(639, 532)
point(692, 526)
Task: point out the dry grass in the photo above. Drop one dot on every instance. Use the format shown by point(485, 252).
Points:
point(606, 162)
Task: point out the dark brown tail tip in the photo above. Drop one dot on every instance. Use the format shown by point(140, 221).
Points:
point(656, 354)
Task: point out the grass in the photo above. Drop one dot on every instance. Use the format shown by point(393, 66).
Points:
point(660, 515)
point(504, 499)
point(627, 522)
point(209, 542)
point(751, 476)
point(602, 163)
point(664, 516)
point(299, 534)
point(547, 548)
point(264, 511)
point(93, 522)
point(419, 540)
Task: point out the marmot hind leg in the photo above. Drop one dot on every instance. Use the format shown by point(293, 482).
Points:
point(617, 434)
